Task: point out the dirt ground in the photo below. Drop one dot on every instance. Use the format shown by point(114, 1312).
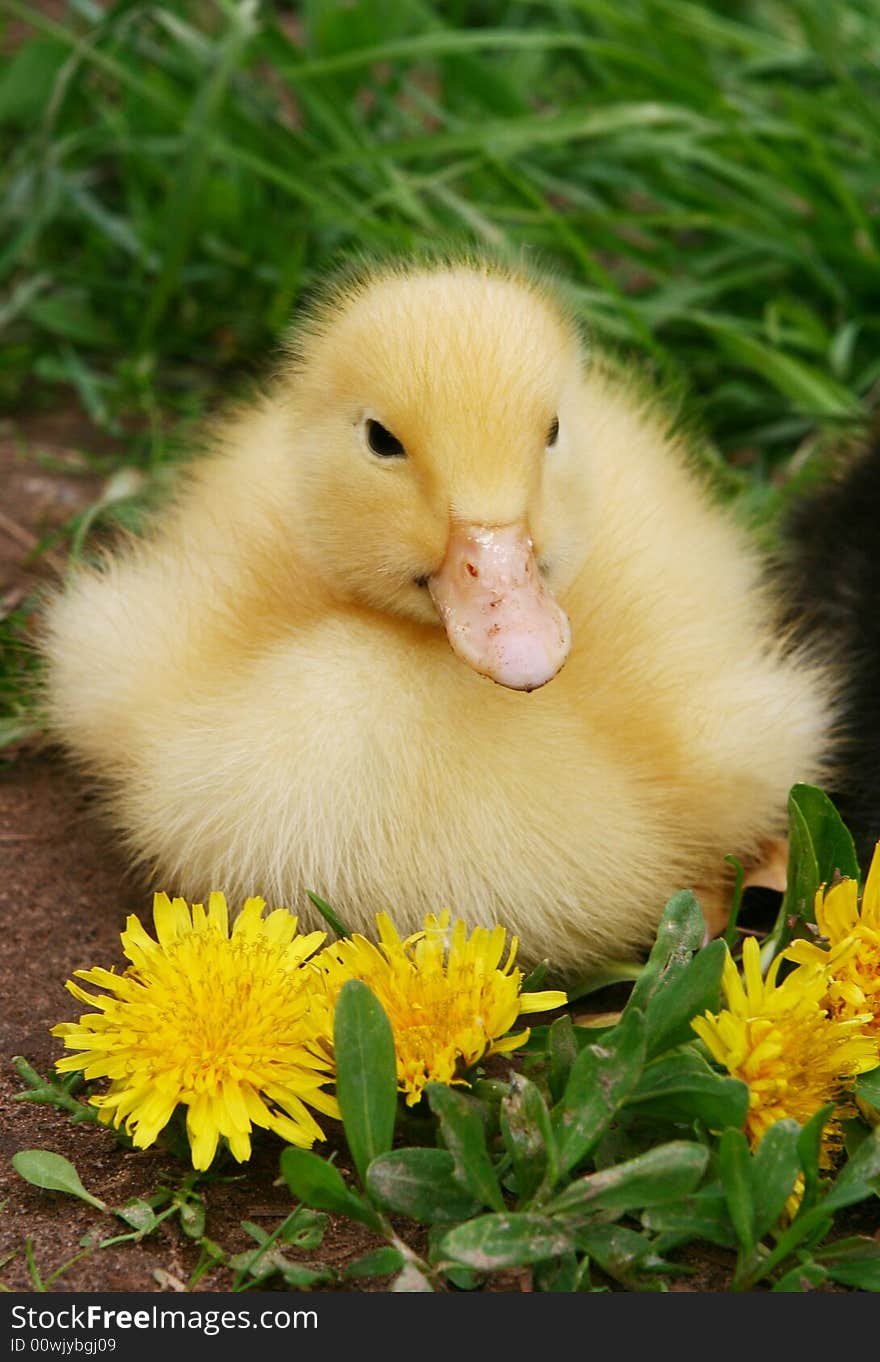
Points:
point(64, 897)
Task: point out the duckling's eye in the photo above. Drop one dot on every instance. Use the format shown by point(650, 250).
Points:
point(383, 443)
point(553, 432)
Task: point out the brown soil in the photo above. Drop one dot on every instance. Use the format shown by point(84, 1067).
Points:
point(64, 896)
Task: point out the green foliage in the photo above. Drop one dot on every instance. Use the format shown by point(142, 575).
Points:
point(590, 1163)
point(366, 1073)
point(53, 1091)
point(302, 1229)
point(271, 1260)
point(318, 1183)
point(601, 1078)
point(421, 1183)
point(53, 1173)
point(615, 1150)
point(18, 673)
point(702, 182)
point(820, 850)
point(683, 1086)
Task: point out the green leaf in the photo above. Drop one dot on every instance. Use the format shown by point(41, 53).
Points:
point(681, 1086)
point(191, 1213)
point(420, 1183)
point(859, 1177)
point(304, 1228)
point(558, 1274)
point(774, 1170)
point(318, 1184)
point(258, 1233)
point(329, 915)
point(366, 1073)
point(380, 1262)
point(867, 1089)
point(621, 1252)
point(562, 1050)
point(855, 1132)
point(462, 1278)
point(852, 1262)
point(139, 1214)
point(601, 1078)
point(687, 992)
point(819, 848)
point(495, 1241)
point(27, 78)
point(301, 1276)
point(802, 878)
point(680, 933)
point(464, 1134)
point(704, 1215)
point(734, 1161)
point(804, 1277)
point(832, 842)
point(528, 1138)
point(810, 1152)
point(809, 388)
point(69, 313)
point(53, 1173)
point(665, 1173)
point(534, 980)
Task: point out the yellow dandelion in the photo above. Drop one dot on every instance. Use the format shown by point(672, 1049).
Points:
point(227, 1024)
point(852, 954)
point(448, 998)
point(779, 1040)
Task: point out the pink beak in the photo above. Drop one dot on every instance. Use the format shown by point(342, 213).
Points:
point(498, 615)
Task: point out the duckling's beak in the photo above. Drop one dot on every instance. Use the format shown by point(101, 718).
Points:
point(498, 615)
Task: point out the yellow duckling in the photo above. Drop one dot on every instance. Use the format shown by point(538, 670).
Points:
point(445, 619)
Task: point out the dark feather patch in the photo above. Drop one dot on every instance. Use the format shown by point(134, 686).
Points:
point(833, 579)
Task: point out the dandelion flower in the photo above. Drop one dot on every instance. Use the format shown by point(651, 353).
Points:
point(852, 955)
point(227, 1024)
point(779, 1040)
point(448, 998)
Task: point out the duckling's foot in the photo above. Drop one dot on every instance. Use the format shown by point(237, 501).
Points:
point(769, 870)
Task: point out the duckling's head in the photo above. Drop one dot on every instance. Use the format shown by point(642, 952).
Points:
point(439, 461)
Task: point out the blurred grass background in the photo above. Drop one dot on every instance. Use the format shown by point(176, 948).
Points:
point(702, 177)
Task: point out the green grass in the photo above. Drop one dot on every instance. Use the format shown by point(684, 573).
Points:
point(701, 176)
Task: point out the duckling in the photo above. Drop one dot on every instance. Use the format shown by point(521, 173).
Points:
point(446, 617)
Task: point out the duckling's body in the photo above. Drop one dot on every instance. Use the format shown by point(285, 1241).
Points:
point(265, 688)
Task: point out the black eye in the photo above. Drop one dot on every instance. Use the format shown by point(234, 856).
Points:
point(383, 443)
point(553, 432)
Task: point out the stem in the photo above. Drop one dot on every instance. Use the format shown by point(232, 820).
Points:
point(32, 1266)
point(730, 933)
point(257, 1254)
point(135, 1236)
point(51, 1093)
point(785, 1245)
point(70, 1262)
